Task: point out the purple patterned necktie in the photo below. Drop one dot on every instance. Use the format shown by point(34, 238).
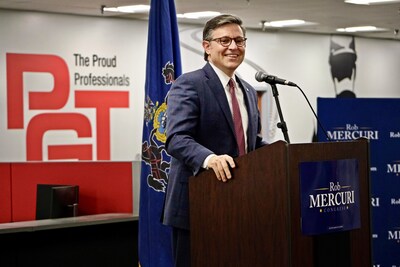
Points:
point(237, 119)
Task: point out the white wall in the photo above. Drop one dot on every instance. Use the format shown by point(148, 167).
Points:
point(301, 58)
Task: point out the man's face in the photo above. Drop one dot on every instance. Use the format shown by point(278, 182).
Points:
point(225, 58)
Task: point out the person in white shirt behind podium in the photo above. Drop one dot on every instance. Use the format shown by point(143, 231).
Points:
point(212, 117)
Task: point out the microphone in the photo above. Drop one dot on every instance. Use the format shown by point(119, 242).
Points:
point(265, 77)
point(271, 79)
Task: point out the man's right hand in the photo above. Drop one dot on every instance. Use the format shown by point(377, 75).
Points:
point(221, 165)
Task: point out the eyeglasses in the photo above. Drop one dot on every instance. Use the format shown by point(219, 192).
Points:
point(226, 41)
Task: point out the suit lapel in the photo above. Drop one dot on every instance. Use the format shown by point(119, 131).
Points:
point(216, 87)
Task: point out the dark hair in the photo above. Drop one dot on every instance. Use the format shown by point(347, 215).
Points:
point(217, 22)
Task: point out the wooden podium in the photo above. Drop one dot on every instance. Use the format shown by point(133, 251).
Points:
point(254, 219)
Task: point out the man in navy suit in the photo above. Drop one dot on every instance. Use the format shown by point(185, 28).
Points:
point(200, 125)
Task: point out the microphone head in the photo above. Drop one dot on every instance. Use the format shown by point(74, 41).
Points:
point(260, 76)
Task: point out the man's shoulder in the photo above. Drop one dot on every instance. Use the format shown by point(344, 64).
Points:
point(194, 73)
point(198, 72)
point(191, 77)
point(205, 71)
point(188, 81)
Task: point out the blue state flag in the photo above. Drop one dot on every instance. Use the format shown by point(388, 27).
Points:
point(162, 67)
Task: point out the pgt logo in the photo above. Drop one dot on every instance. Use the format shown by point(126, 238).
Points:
point(49, 105)
point(393, 167)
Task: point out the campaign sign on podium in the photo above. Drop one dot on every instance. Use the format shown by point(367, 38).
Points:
point(255, 218)
point(329, 196)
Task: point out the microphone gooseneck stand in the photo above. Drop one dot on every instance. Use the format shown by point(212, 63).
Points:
point(282, 124)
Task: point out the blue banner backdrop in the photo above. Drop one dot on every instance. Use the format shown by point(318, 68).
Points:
point(330, 199)
point(379, 121)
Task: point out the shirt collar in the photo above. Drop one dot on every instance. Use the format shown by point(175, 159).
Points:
point(222, 76)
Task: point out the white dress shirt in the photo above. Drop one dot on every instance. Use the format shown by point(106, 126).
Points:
point(240, 97)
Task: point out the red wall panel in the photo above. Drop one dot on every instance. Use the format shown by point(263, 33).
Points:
point(104, 187)
point(5, 192)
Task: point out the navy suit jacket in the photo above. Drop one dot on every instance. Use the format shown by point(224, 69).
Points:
point(199, 123)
